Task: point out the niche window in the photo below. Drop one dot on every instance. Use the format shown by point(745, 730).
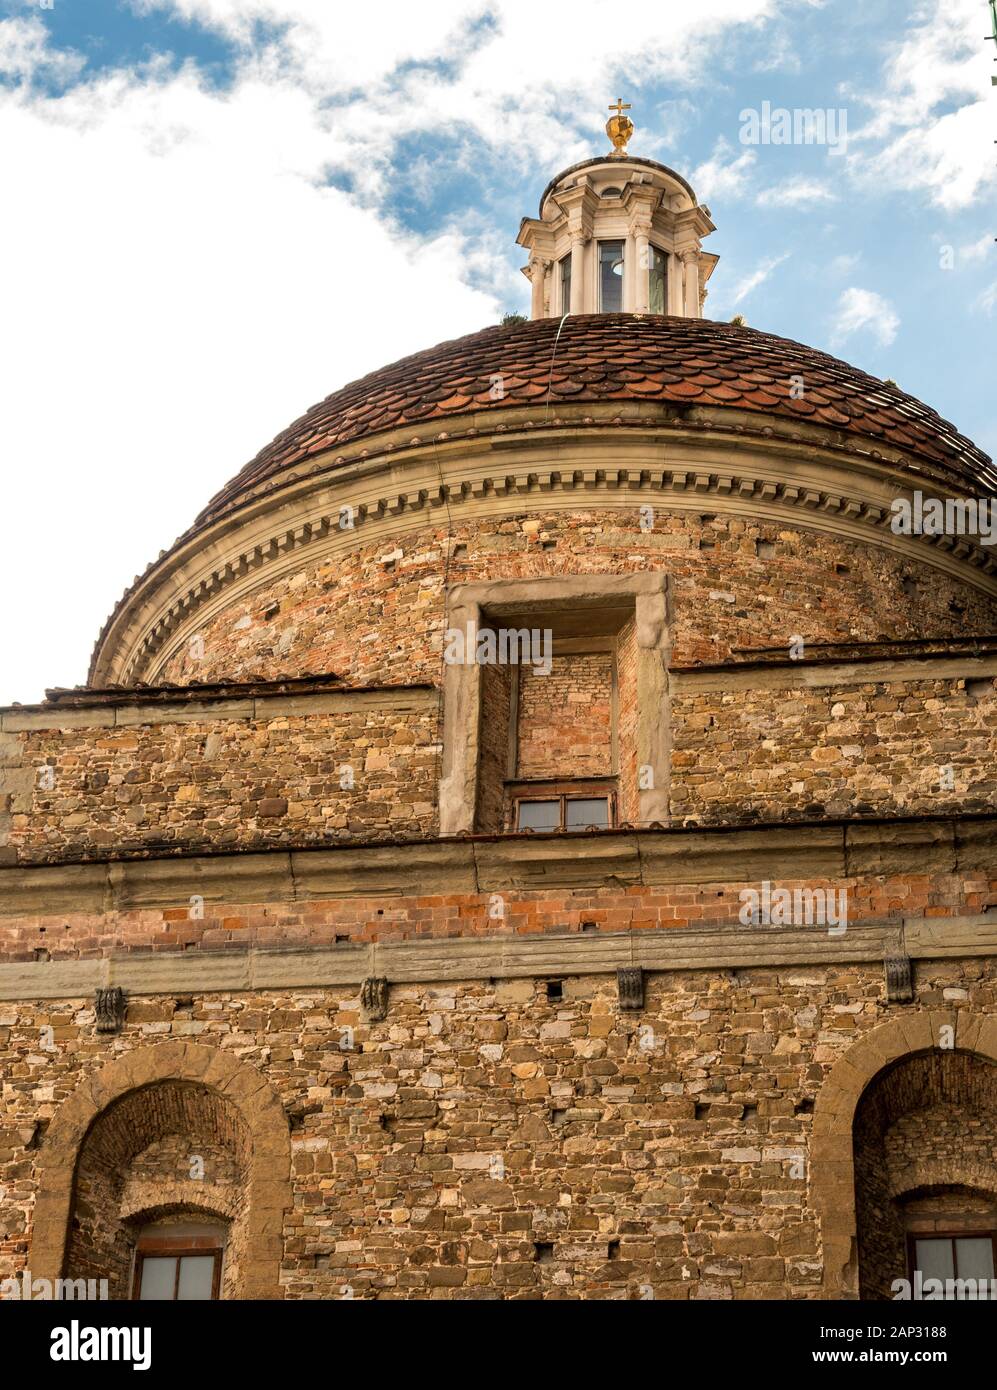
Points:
point(565, 280)
point(657, 281)
point(610, 276)
point(563, 731)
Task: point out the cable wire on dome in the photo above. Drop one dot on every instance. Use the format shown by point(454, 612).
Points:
point(550, 374)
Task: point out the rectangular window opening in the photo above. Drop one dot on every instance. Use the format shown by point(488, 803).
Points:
point(611, 276)
point(573, 814)
point(182, 1276)
point(565, 280)
point(657, 287)
point(965, 1256)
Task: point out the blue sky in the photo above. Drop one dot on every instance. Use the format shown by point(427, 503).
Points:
point(221, 210)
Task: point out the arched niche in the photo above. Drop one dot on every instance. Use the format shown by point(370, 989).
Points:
point(112, 1155)
point(855, 1078)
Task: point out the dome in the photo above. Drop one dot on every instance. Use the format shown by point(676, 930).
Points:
point(675, 363)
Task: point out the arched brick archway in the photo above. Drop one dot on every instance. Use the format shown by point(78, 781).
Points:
point(268, 1166)
point(832, 1168)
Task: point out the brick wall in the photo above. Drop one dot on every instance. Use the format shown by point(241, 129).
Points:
point(565, 726)
point(361, 917)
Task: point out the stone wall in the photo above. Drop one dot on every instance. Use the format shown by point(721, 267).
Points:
point(495, 738)
point(629, 770)
point(223, 781)
point(785, 748)
point(905, 745)
point(507, 1139)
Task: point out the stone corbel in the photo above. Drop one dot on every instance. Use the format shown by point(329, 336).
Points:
point(374, 998)
point(110, 1007)
point(899, 973)
point(630, 985)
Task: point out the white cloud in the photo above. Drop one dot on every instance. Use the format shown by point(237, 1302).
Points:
point(525, 76)
point(864, 310)
point(725, 174)
point(844, 264)
point(780, 56)
point(23, 51)
point(798, 192)
point(931, 110)
point(186, 286)
point(988, 299)
point(751, 282)
point(977, 250)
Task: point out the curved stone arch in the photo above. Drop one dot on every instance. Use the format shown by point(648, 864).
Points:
point(929, 1174)
point(186, 1195)
point(832, 1167)
point(269, 1185)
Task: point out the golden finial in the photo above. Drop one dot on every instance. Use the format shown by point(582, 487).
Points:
point(620, 128)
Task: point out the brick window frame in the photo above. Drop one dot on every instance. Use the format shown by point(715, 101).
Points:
point(642, 597)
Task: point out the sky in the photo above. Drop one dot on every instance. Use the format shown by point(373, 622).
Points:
point(213, 213)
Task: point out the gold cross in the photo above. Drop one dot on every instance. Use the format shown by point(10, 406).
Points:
point(619, 108)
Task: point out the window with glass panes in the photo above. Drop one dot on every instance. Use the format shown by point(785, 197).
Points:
point(571, 813)
point(565, 277)
point(966, 1255)
point(184, 1276)
point(611, 276)
point(179, 1262)
point(657, 301)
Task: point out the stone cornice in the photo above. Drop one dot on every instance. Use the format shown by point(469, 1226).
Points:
point(499, 957)
point(483, 464)
point(810, 675)
point(797, 850)
point(127, 709)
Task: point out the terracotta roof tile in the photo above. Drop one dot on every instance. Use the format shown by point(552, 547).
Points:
point(611, 357)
